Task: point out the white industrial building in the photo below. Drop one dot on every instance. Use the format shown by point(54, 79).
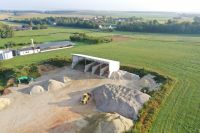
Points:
point(95, 65)
point(27, 51)
point(6, 54)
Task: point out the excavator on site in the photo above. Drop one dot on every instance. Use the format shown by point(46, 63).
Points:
point(24, 80)
point(85, 98)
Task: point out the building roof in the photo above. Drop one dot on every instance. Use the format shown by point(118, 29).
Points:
point(51, 45)
point(97, 59)
point(28, 48)
point(5, 51)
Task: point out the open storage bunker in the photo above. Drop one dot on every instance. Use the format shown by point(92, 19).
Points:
point(95, 65)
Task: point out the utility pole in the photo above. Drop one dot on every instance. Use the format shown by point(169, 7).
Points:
point(32, 43)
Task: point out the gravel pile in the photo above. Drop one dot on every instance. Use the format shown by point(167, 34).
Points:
point(133, 80)
point(108, 123)
point(4, 102)
point(125, 101)
point(62, 79)
point(149, 83)
point(36, 90)
point(55, 85)
point(124, 75)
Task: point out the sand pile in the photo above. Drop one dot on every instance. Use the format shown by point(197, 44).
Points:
point(4, 102)
point(55, 85)
point(147, 82)
point(36, 90)
point(62, 79)
point(124, 75)
point(125, 101)
point(108, 123)
point(66, 79)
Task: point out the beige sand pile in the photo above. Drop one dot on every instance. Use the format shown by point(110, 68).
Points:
point(108, 123)
point(66, 79)
point(55, 85)
point(63, 79)
point(124, 75)
point(36, 90)
point(114, 98)
point(4, 102)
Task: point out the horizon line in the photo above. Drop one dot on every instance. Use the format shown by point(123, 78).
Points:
point(146, 11)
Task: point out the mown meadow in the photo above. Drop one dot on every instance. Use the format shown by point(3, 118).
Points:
point(177, 56)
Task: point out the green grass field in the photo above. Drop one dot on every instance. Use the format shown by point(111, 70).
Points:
point(45, 35)
point(174, 55)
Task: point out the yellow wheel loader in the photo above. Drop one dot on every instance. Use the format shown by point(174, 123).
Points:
point(85, 98)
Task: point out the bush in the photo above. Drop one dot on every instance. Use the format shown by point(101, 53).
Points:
point(38, 26)
point(28, 70)
point(58, 62)
point(9, 45)
point(5, 75)
point(142, 72)
point(6, 32)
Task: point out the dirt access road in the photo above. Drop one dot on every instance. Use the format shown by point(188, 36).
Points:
point(52, 112)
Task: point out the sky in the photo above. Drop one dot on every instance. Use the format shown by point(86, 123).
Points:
point(192, 6)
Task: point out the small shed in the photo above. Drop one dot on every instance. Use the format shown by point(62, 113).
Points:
point(95, 65)
point(6, 54)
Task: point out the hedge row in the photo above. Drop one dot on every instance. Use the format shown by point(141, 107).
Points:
point(5, 74)
point(82, 37)
point(142, 72)
point(58, 62)
point(150, 110)
point(28, 70)
point(13, 44)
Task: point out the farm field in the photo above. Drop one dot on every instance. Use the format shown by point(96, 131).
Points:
point(45, 35)
point(161, 16)
point(10, 23)
point(61, 34)
point(174, 55)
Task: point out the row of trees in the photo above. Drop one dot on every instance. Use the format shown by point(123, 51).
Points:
point(6, 31)
point(82, 37)
point(38, 26)
point(76, 22)
point(132, 24)
point(60, 21)
point(156, 27)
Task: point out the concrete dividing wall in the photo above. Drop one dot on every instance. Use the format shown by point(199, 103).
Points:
point(89, 66)
point(76, 60)
point(104, 70)
point(94, 68)
point(99, 66)
point(113, 67)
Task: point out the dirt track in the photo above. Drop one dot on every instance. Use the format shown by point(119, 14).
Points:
point(56, 111)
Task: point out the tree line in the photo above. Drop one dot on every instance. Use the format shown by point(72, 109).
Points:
point(154, 26)
point(132, 24)
point(60, 21)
